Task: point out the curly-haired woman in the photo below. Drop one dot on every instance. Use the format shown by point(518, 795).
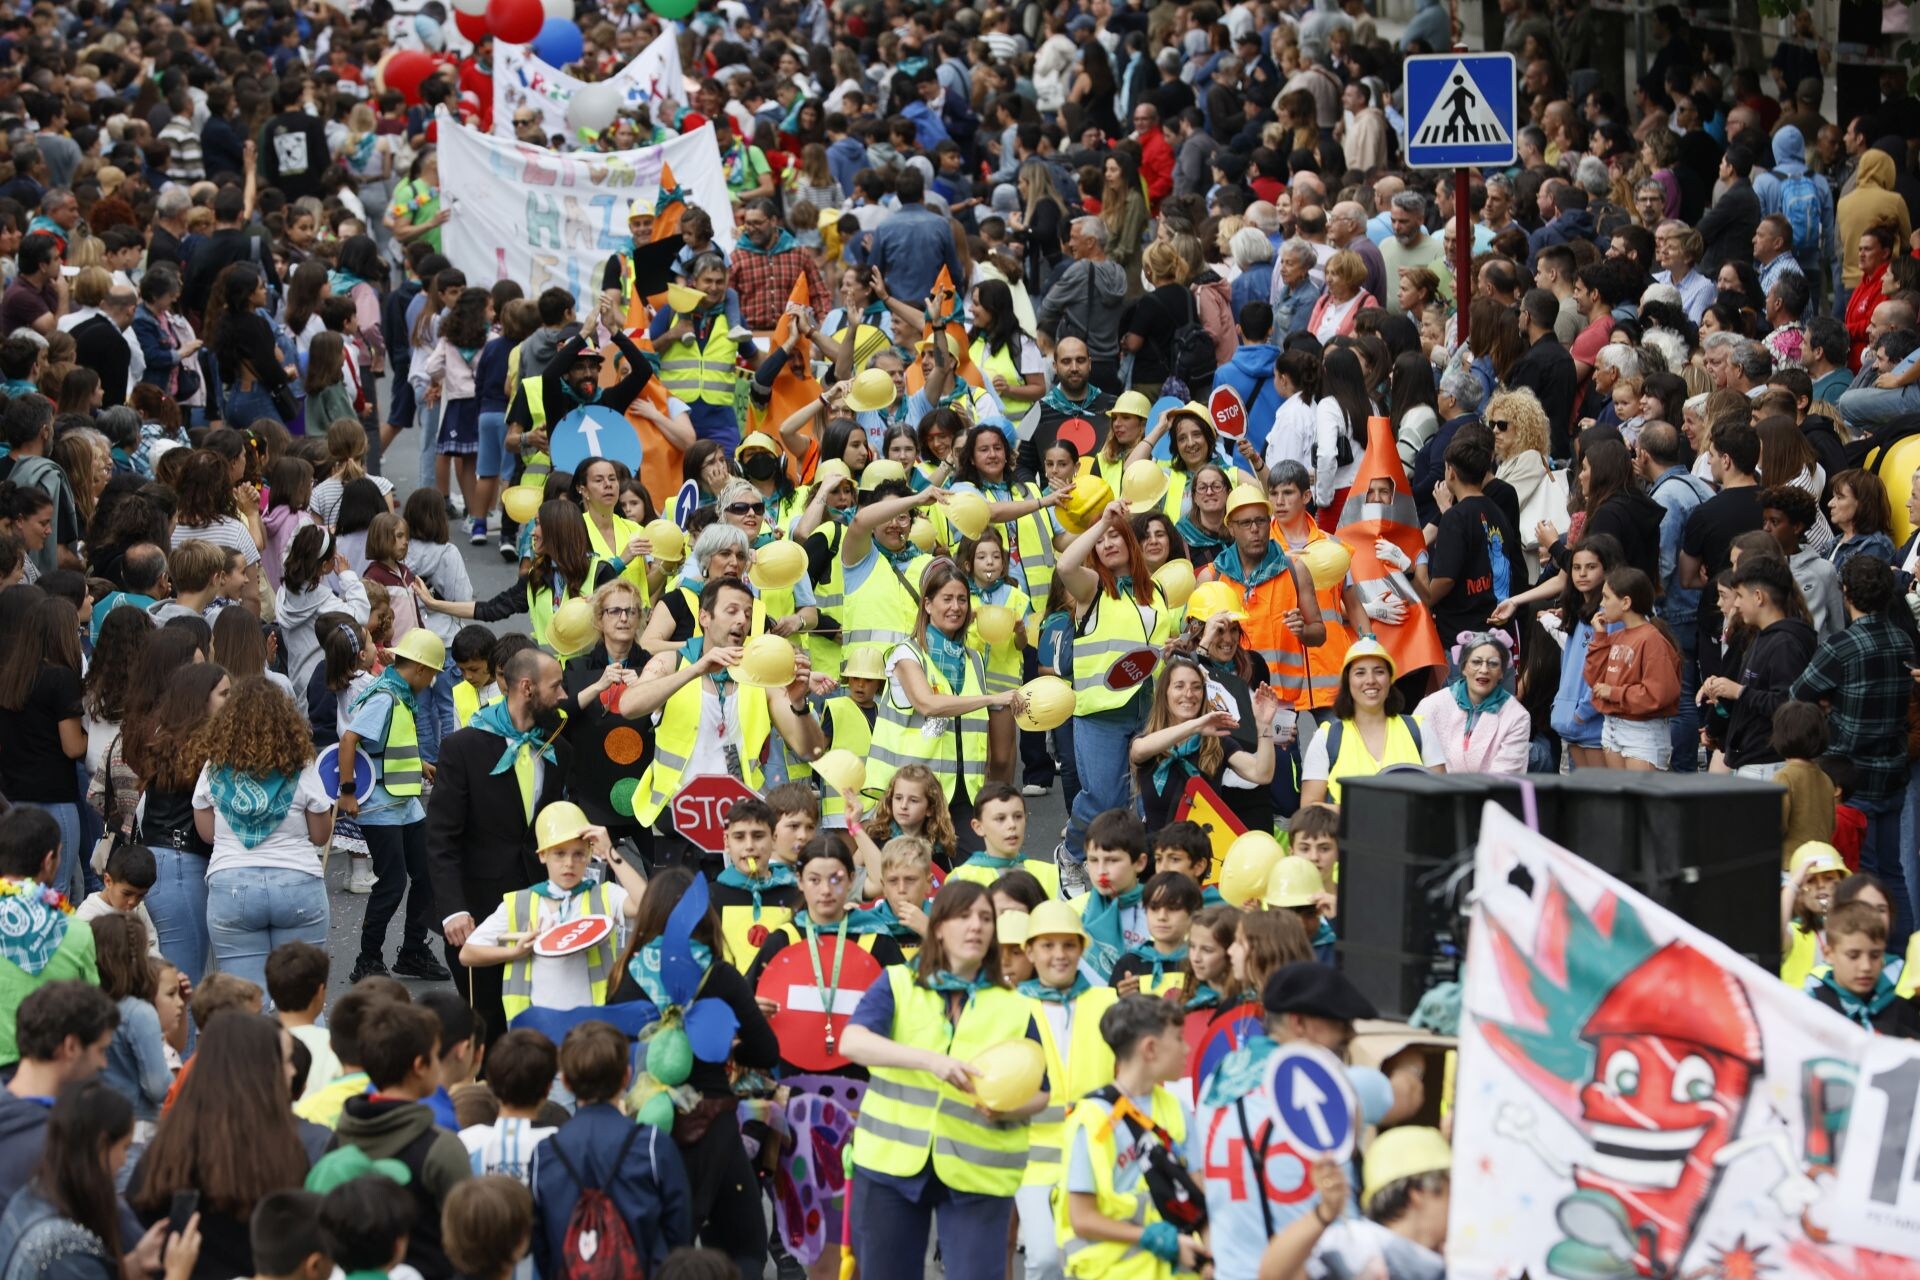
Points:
point(1520, 438)
point(265, 812)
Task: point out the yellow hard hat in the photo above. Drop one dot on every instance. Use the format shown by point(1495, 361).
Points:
point(685, 299)
point(422, 646)
point(778, 565)
point(557, 824)
point(872, 389)
point(996, 623)
point(1083, 506)
point(1405, 1151)
point(1817, 857)
point(1326, 560)
point(922, 535)
point(1293, 882)
point(830, 473)
point(968, 512)
point(1249, 861)
point(1175, 580)
point(669, 541)
point(842, 769)
point(878, 472)
point(1368, 647)
point(1012, 928)
point(1214, 597)
point(766, 662)
point(1133, 404)
point(641, 208)
point(572, 631)
point(522, 502)
point(1247, 495)
point(1049, 703)
point(1008, 1075)
point(1055, 917)
point(1143, 484)
point(864, 662)
point(759, 441)
point(1193, 408)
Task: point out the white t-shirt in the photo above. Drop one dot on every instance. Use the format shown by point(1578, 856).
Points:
point(287, 848)
point(1314, 767)
point(559, 982)
point(326, 1064)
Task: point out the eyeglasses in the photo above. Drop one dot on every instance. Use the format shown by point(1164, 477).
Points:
point(1499, 426)
point(746, 508)
point(618, 611)
point(1492, 662)
point(1248, 525)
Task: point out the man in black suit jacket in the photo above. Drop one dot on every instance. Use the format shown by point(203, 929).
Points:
point(480, 843)
point(101, 344)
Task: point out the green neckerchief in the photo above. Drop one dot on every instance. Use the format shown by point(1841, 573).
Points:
point(1204, 998)
point(1056, 398)
point(1183, 754)
point(691, 651)
point(779, 876)
point(1054, 995)
point(859, 920)
point(950, 656)
point(1102, 919)
point(548, 889)
point(1464, 700)
point(1272, 564)
point(781, 244)
point(898, 559)
point(1862, 1010)
point(887, 921)
point(951, 984)
point(1216, 667)
point(494, 719)
point(988, 862)
point(1324, 936)
point(1198, 539)
point(1147, 951)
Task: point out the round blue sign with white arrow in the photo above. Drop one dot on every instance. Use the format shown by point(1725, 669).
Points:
point(686, 502)
point(328, 766)
point(1313, 1099)
point(595, 431)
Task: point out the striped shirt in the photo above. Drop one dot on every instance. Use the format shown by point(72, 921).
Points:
point(225, 531)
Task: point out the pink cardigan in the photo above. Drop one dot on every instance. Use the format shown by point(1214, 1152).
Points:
point(1499, 743)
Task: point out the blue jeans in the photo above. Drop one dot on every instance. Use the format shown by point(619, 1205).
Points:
point(1100, 758)
point(252, 910)
point(68, 879)
point(890, 1230)
point(178, 904)
point(1684, 729)
point(244, 408)
point(1870, 408)
point(493, 448)
point(1881, 854)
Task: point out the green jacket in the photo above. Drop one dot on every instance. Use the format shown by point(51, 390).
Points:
point(72, 959)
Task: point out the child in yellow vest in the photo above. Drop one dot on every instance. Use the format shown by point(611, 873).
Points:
point(756, 893)
point(567, 844)
point(473, 654)
point(1804, 902)
point(1000, 820)
point(1154, 967)
point(1113, 1136)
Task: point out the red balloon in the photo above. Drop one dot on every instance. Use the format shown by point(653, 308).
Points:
point(515, 21)
point(406, 71)
point(472, 25)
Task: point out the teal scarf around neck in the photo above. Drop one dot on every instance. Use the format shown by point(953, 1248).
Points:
point(1160, 959)
point(548, 889)
point(779, 876)
point(1205, 997)
point(1102, 919)
point(1273, 563)
point(693, 649)
point(1863, 1009)
point(899, 559)
point(495, 719)
point(859, 921)
point(1464, 700)
point(1054, 995)
point(952, 984)
point(887, 921)
point(1186, 755)
point(988, 862)
point(950, 656)
point(391, 682)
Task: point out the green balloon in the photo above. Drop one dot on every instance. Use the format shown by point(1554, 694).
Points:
point(657, 1111)
point(670, 1057)
point(674, 9)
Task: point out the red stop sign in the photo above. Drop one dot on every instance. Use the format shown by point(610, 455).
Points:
point(700, 809)
point(1229, 415)
point(573, 935)
point(1132, 668)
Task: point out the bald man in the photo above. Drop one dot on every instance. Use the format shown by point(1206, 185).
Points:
point(1074, 395)
point(1347, 229)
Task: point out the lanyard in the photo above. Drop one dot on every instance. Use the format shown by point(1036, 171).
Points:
point(829, 994)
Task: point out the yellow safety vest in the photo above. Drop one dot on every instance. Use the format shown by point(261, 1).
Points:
point(1000, 361)
point(1176, 497)
point(1030, 538)
point(1111, 472)
point(899, 742)
point(848, 730)
point(1800, 961)
point(466, 701)
point(624, 531)
point(1111, 629)
point(1085, 1065)
point(1353, 760)
point(523, 916)
point(538, 465)
point(398, 763)
point(910, 1116)
point(702, 375)
point(679, 727)
point(830, 597)
point(1045, 872)
point(1003, 659)
point(1107, 1260)
point(883, 608)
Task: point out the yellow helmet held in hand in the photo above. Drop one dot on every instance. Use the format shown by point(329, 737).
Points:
point(842, 769)
point(996, 623)
point(1143, 484)
point(559, 823)
point(1175, 580)
point(1249, 861)
point(921, 534)
point(778, 565)
point(1049, 703)
point(521, 502)
point(1326, 560)
point(864, 662)
point(424, 647)
point(1214, 597)
point(1400, 1153)
point(572, 632)
point(685, 299)
point(1293, 882)
point(766, 662)
point(1084, 504)
point(1008, 1075)
point(968, 512)
point(668, 539)
point(1055, 917)
point(872, 389)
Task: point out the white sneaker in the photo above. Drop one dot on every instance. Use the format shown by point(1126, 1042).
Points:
point(1073, 875)
point(1033, 789)
point(360, 878)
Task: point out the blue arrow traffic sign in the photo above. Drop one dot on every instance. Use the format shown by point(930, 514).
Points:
point(1313, 1099)
point(328, 766)
point(595, 431)
point(1462, 110)
point(686, 502)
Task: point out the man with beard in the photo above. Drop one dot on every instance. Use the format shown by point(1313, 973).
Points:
point(689, 692)
point(493, 776)
point(1074, 396)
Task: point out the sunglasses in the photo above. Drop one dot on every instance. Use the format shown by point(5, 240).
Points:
point(1499, 427)
point(746, 508)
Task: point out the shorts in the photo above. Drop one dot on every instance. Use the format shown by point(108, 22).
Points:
point(1646, 740)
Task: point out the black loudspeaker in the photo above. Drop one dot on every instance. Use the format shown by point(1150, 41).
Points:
point(1706, 847)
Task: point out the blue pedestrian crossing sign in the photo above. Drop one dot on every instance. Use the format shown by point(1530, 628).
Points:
point(1313, 1099)
point(1462, 110)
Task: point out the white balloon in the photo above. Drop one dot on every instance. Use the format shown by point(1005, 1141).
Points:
point(472, 8)
point(593, 107)
point(558, 9)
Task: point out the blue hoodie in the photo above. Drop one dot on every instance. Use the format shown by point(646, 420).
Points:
point(1790, 162)
point(1574, 716)
point(846, 158)
point(1250, 373)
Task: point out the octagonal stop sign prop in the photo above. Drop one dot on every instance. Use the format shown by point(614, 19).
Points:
point(700, 809)
point(1228, 413)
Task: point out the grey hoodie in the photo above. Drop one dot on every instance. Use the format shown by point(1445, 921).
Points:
point(295, 611)
point(1085, 301)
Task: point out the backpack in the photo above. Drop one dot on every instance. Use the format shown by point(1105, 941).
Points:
point(1803, 209)
point(1190, 360)
point(598, 1244)
point(1176, 1195)
point(1337, 730)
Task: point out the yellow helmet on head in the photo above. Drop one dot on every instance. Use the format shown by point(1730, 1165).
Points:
point(1055, 916)
point(559, 823)
point(424, 647)
point(1214, 597)
point(1407, 1151)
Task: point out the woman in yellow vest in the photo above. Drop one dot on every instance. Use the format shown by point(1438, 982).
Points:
point(879, 567)
point(563, 567)
point(1067, 1010)
point(611, 536)
point(760, 460)
point(826, 509)
point(1126, 429)
point(1195, 444)
point(1019, 508)
point(1370, 732)
point(922, 1142)
point(1004, 353)
point(936, 708)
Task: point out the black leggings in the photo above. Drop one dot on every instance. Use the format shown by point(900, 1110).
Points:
point(726, 1196)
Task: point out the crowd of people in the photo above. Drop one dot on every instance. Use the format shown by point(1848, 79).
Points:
point(965, 535)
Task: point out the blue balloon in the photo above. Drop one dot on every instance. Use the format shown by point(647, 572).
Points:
point(427, 27)
point(560, 42)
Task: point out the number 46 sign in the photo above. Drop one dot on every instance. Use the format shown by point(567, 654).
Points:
point(1874, 1198)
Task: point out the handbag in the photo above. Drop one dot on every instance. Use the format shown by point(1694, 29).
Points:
point(111, 838)
point(1548, 502)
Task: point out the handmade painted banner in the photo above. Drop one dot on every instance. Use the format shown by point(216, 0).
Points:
point(547, 218)
point(1634, 1098)
point(521, 78)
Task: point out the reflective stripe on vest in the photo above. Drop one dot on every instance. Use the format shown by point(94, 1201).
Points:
point(1032, 539)
point(830, 596)
point(702, 375)
point(1001, 361)
point(909, 1117)
point(624, 531)
point(1351, 759)
point(516, 984)
point(1109, 1260)
point(398, 763)
point(882, 609)
point(678, 731)
point(1113, 629)
point(536, 466)
point(1086, 1065)
point(899, 742)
